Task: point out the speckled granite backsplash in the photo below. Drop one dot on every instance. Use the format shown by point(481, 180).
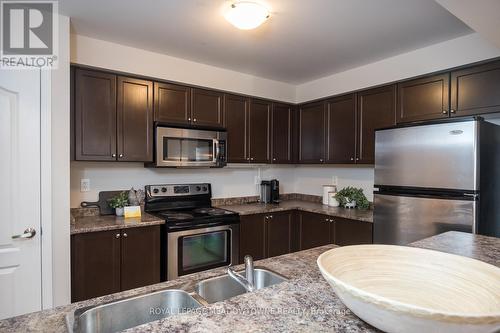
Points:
point(255, 198)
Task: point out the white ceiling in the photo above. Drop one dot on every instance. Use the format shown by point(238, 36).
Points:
point(302, 41)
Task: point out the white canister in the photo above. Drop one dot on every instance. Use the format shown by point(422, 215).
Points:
point(332, 201)
point(326, 190)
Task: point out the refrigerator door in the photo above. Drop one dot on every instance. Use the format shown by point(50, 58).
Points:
point(441, 156)
point(404, 219)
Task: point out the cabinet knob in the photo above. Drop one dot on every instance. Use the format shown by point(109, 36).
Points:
point(321, 160)
point(125, 235)
point(327, 220)
point(189, 119)
point(121, 155)
point(331, 220)
point(352, 158)
point(117, 236)
point(274, 159)
point(452, 111)
point(270, 216)
point(194, 119)
point(445, 111)
point(251, 159)
point(113, 155)
point(357, 158)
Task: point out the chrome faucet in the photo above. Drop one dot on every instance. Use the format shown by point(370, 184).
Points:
point(247, 280)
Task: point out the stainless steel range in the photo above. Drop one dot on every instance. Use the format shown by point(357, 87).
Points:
point(196, 235)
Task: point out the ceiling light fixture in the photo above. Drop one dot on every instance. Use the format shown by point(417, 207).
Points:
point(246, 15)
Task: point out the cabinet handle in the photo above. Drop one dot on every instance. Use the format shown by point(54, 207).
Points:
point(125, 235)
point(117, 236)
point(445, 111)
point(120, 156)
point(113, 155)
point(452, 111)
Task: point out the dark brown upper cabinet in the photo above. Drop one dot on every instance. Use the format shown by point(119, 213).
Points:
point(423, 99)
point(95, 116)
point(135, 120)
point(206, 108)
point(312, 133)
point(281, 124)
point(475, 90)
point(376, 108)
point(341, 129)
point(235, 121)
point(172, 103)
point(259, 131)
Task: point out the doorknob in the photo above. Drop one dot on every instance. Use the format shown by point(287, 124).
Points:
point(28, 233)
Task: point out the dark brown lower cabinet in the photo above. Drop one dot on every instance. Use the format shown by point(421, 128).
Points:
point(266, 235)
point(352, 232)
point(315, 230)
point(106, 262)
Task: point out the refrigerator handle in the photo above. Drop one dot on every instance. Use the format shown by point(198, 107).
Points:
point(471, 195)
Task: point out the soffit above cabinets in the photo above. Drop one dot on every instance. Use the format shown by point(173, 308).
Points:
point(301, 41)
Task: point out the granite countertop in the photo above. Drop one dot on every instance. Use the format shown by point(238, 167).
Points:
point(92, 223)
point(304, 303)
point(313, 207)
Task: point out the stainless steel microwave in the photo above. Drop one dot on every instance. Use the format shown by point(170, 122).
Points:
point(183, 147)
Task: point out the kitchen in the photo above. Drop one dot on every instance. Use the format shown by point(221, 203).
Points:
point(203, 144)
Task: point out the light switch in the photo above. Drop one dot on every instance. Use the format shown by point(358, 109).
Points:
point(84, 185)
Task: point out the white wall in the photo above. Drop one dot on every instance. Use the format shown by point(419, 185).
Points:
point(226, 182)
point(60, 128)
point(441, 56)
point(94, 52)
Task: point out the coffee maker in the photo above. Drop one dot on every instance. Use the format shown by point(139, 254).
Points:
point(270, 191)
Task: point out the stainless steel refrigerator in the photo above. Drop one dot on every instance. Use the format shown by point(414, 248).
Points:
point(433, 178)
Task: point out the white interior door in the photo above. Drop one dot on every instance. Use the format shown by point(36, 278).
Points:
point(20, 251)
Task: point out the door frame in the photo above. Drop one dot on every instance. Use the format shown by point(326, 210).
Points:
point(46, 187)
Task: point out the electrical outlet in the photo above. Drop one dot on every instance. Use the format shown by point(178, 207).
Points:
point(84, 185)
point(335, 180)
point(257, 180)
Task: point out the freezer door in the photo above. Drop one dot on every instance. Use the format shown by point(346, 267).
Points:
point(402, 219)
point(439, 156)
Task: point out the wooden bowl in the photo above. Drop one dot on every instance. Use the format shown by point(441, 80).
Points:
point(405, 289)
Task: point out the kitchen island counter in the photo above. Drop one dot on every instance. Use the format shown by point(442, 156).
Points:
point(304, 303)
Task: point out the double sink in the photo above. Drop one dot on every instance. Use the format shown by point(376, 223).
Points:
point(130, 312)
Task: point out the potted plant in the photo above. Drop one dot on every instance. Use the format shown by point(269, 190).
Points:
point(118, 202)
point(351, 197)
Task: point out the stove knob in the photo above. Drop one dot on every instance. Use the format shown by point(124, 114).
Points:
point(155, 191)
point(198, 188)
point(205, 189)
point(164, 189)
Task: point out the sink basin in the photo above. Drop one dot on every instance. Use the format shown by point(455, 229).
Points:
point(130, 312)
point(223, 287)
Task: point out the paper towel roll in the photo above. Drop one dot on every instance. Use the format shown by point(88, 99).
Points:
point(326, 189)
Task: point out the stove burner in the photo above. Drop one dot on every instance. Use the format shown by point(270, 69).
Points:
point(210, 211)
point(177, 216)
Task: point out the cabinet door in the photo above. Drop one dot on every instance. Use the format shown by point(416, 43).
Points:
point(206, 107)
point(278, 240)
point(312, 133)
point(376, 109)
point(95, 264)
point(423, 99)
point(281, 134)
point(258, 130)
point(135, 120)
point(342, 129)
point(172, 103)
point(476, 90)
point(252, 236)
point(95, 116)
point(235, 121)
point(314, 230)
point(352, 232)
point(140, 257)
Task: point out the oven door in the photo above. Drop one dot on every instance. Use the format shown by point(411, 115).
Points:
point(196, 250)
point(178, 147)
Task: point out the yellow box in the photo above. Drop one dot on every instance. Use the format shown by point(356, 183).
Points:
point(132, 211)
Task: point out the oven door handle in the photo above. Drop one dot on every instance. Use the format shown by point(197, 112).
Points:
point(208, 225)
